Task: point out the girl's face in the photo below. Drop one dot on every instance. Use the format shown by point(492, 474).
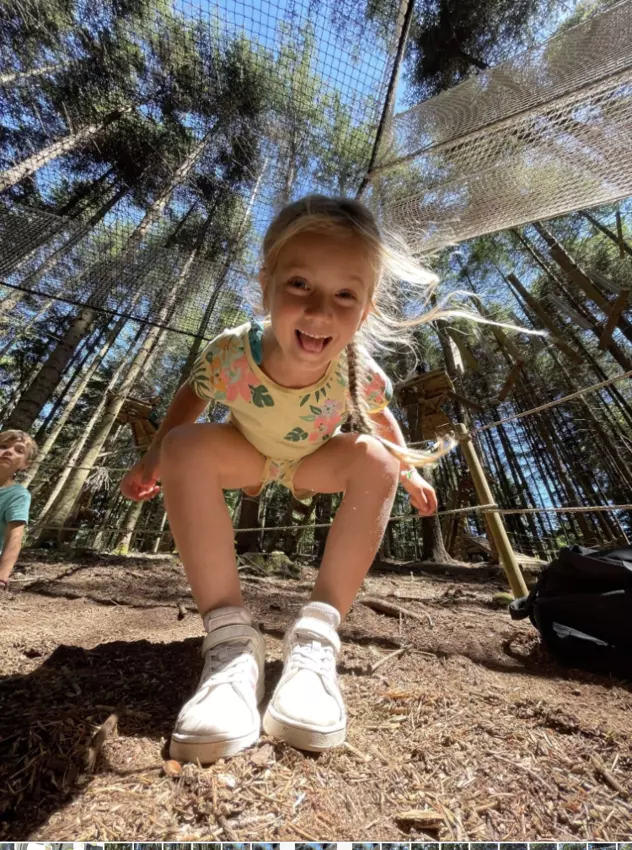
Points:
point(318, 295)
point(14, 456)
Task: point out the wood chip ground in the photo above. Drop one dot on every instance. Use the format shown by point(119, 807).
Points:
point(469, 734)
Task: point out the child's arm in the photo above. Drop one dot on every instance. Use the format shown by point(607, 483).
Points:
point(140, 483)
point(422, 494)
point(13, 534)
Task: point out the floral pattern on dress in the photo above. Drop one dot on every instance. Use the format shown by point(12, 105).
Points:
point(378, 391)
point(324, 421)
point(228, 375)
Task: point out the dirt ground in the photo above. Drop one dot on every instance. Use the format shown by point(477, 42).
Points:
point(469, 733)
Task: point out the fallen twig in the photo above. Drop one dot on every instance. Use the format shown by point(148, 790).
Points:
point(376, 666)
point(100, 736)
point(182, 610)
point(612, 781)
point(394, 610)
point(425, 818)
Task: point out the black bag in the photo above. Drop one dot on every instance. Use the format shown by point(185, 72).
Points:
point(582, 607)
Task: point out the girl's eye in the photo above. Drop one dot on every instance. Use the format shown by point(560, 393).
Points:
point(347, 295)
point(297, 283)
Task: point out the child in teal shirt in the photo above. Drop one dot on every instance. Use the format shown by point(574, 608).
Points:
point(17, 450)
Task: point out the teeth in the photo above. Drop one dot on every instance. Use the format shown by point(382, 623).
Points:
point(314, 336)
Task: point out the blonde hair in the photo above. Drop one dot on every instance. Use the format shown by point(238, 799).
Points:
point(21, 437)
point(400, 282)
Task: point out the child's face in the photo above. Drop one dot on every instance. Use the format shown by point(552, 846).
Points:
point(318, 295)
point(14, 456)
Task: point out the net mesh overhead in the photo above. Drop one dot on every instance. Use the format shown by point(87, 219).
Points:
point(543, 134)
point(189, 125)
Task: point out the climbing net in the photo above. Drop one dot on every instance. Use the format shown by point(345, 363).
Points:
point(543, 134)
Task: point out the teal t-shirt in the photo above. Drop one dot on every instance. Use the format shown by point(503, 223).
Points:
point(15, 502)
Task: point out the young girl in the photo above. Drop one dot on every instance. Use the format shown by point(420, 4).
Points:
point(17, 451)
point(328, 281)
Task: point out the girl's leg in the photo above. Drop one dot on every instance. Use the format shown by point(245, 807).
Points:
point(197, 463)
point(368, 474)
point(307, 709)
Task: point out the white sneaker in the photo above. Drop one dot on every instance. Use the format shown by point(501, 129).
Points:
point(307, 709)
point(222, 717)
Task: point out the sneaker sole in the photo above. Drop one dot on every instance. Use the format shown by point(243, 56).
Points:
point(207, 752)
point(312, 740)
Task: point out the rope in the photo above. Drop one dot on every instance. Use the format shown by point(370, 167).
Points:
point(492, 507)
point(554, 403)
point(576, 509)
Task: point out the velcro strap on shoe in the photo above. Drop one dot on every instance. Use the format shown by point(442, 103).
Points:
point(224, 634)
point(312, 627)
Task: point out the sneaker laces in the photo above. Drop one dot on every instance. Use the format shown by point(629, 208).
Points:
point(314, 655)
point(225, 663)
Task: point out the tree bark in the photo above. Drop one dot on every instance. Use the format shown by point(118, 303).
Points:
point(574, 271)
point(249, 541)
point(68, 464)
point(90, 347)
point(67, 500)
point(43, 386)
point(38, 160)
point(18, 77)
point(72, 402)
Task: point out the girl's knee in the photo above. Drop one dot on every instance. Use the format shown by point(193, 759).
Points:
point(372, 455)
point(181, 443)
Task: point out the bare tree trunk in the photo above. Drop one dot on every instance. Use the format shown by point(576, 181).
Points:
point(129, 527)
point(620, 243)
point(33, 400)
point(75, 452)
point(72, 402)
point(38, 160)
point(91, 346)
point(571, 268)
point(65, 504)
point(18, 77)
point(249, 541)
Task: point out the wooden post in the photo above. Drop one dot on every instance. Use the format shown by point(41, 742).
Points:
point(494, 521)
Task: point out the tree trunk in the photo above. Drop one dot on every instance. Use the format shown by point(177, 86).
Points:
point(29, 407)
point(38, 160)
point(613, 347)
point(221, 279)
point(249, 541)
point(130, 522)
point(72, 402)
point(65, 504)
point(90, 347)
point(574, 271)
point(46, 380)
point(73, 455)
point(18, 77)
point(620, 243)
point(324, 510)
point(163, 521)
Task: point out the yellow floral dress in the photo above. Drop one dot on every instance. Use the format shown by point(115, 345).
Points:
point(284, 424)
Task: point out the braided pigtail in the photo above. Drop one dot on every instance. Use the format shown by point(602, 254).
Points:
point(360, 419)
point(363, 424)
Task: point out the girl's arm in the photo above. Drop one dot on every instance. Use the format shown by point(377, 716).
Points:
point(422, 494)
point(185, 408)
point(388, 427)
point(11, 549)
point(140, 483)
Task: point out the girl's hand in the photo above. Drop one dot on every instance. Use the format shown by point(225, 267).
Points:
point(422, 494)
point(140, 483)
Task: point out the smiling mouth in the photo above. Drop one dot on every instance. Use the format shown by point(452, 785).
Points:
point(313, 343)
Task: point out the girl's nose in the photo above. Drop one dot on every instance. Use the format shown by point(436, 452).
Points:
point(317, 304)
